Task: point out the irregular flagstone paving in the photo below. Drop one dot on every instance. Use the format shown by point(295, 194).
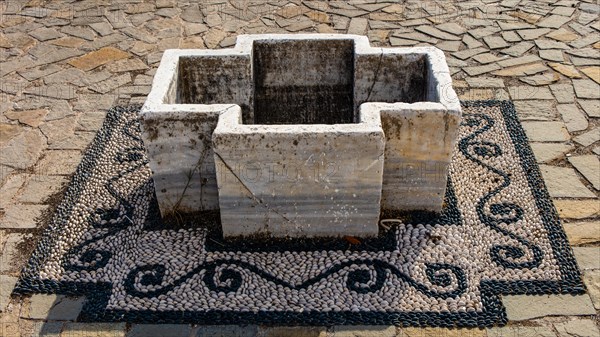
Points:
point(38, 85)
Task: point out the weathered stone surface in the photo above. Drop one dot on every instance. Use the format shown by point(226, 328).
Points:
point(545, 152)
point(364, 331)
point(541, 79)
point(12, 258)
point(44, 34)
point(511, 36)
point(554, 55)
point(10, 189)
point(566, 70)
point(591, 279)
point(225, 331)
point(111, 83)
point(32, 118)
point(592, 72)
point(432, 31)
point(495, 42)
point(587, 257)
point(585, 41)
point(8, 132)
point(22, 216)
point(39, 188)
point(122, 65)
point(23, 150)
point(478, 70)
point(525, 92)
point(518, 61)
point(574, 119)
point(94, 330)
point(299, 331)
point(467, 53)
point(91, 121)
point(485, 82)
point(160, 330)
point(553, 21)
point(542, 110)
point(245, 186)
point(471, 42)
point(524, 70)
point(214, 37)
point(58, 130)
point(63, 91)
point(577, 209)
point(97, 58)
point(59, 162)
point(563, 35)
point(563, 182)
point(7, 283)
point(524, 331)
point(358, 26)
point(532, 34)
point(550, 44)
point(518, 49)
point(591, 107)
point(589, 167)
point(563, 93)
point(577, 328)
point(589, 137)
point(487, 58)
point(55, 307)
point(523, 307)
point(580, 233)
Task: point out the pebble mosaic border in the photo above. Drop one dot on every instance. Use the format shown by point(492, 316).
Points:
point(91, 248)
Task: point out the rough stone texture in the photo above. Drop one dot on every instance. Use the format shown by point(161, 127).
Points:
point(587, 257)
point(391, 86)
point(591, 279)
point(11, 256)
point(546, 131)
point(574, 119)
point(589, 166)
point(225, 331)
point(577, 209)
point(545, 152)
point(159, 330)
point(58, 162)
point(435, 332)
point(577, 328)
point(564, 182)
point(518, 331)
point(588, 138)
point(318, 168)
point(591, 107)
point(299, 331)
point(586, 89)
point(535, 110)
point(39, 188)
point(24, 150)
point(22, 216)
point(580, 233)
point(364, 331)
point(98, 58)
point(523, 307)
point(7, 283)
point(94, 330)
point(525, 92)
point(55, 307)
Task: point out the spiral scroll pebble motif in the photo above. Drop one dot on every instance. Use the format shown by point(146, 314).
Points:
point(107, 242)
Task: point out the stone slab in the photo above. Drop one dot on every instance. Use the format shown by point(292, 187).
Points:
point(22, 216)
point(588, 138)
point(574, 119)
point(225, 331)
point(94, 330)
point(577, 328)
point(589, 167)
point(563, 182)
point(98, 58)
point(299, 331)
point(160, 330)
point(518, 331)
point(7, 283)
point(545, 152)
point(546, 131)
point(581, 233)
point(577, 209)
point(524, 307)
point(587, 257)
point(536, 110)
point(591, 107)
point(55, 307)
point(364, 331)
point(586, 89)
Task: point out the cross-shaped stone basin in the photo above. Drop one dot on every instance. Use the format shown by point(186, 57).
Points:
point(301, 135)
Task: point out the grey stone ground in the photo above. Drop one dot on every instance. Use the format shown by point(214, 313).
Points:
point(62, 65)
